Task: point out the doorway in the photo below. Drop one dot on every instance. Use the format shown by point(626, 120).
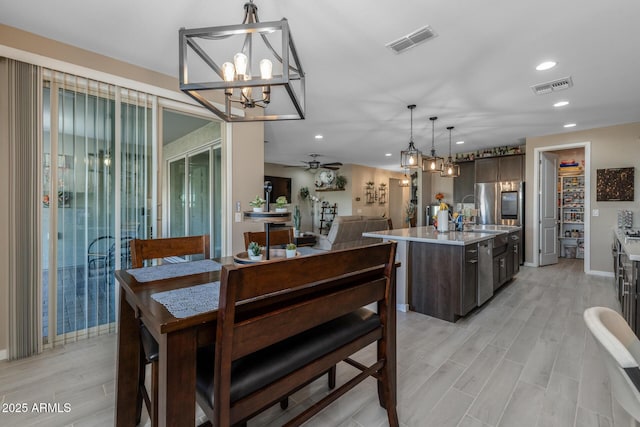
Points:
point(570, 194)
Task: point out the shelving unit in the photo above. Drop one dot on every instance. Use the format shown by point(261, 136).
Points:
point(327, 214)
point(571, 215)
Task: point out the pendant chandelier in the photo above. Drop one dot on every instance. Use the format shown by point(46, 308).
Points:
point(230, 90)
point(432, 163)
point(405, 181)
point(410, 158)
point(450, 168)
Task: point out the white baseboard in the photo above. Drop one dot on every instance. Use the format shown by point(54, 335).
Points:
point(601, 273)
point(402, 307)
point(3, 354)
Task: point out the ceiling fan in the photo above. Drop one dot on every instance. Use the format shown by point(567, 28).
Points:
point(314, 164)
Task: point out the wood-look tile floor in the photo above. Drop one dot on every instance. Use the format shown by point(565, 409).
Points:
point(524, 359)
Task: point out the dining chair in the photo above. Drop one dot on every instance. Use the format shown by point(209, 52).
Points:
point(276, 237)
point(621, 349)
point(144, 250)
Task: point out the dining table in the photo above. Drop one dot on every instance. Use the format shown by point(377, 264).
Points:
point(178, 305)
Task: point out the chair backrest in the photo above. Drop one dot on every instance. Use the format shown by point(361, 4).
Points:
point(621, 350)
point(276, 237)
point(147, 249)
point(282, 299)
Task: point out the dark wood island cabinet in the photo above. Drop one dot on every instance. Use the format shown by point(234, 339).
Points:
point(443, 279)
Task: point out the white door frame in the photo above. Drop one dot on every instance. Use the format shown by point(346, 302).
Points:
point(587, 199)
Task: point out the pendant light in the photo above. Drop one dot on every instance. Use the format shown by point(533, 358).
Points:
point(410, 158)
point(450, 168)
point(229, 84)
point(404, 182)
point(432, 163)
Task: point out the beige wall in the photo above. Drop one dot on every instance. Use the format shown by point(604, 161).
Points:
point(247, 138)
point(248, 179)
point(614, 146)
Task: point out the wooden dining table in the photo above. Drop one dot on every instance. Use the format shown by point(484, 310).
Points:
point(178, 340)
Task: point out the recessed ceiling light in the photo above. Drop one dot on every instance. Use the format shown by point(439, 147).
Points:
point(460, 142)
point(319, 136)
point(387, 154)
point(547, 65)
point(570, 125)
point(561, 104)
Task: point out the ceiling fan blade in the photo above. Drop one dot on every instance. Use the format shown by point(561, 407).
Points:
point(332, 164)
point(333, 168)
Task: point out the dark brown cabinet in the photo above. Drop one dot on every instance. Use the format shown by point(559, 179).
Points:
point(507, 168)
point(510, 168)
point(487, 170)
point(463, 184)
point(443, 279)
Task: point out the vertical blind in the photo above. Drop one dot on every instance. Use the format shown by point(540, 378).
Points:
point(22, 89)
point(96, 181)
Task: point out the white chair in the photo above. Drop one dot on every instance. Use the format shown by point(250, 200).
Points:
point(621, 350)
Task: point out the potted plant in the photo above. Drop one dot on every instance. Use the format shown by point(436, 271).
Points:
point(254, 252)
point(341, 182)
point(297, 217)
point(281, 204)
point(304, 193)
point(290, 250)
point(257, 204)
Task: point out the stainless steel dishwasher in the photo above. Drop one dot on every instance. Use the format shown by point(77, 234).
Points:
point(485, 271)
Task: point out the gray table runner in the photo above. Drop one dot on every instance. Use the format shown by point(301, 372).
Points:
point(190, 301)
point(166, 271)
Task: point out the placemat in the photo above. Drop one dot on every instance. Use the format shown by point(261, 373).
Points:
point(190, 301)
point(166, 271)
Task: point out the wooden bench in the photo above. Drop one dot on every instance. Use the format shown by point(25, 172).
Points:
point(282, 324)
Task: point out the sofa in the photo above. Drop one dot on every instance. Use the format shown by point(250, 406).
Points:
point(346, 232)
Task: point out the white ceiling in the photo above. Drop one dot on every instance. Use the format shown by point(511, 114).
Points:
point(476, 75)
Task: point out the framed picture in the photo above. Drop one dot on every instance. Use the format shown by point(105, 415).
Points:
point(615, 185)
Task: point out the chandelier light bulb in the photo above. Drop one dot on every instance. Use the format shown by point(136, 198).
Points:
point(412, 160)
point(228, 71)
point(240, 60)
point(266, 68)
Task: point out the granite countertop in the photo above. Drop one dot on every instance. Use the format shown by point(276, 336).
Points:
point(430, 235)
point(495, 228)
point(630, 246)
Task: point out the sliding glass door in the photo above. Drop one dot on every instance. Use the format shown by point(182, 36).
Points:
point(194, 188)
point(96, 197)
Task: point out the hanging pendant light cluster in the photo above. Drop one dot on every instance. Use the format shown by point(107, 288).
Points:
point(433, 163)
point(410, 158)
point(450, 168)
point(228, 86)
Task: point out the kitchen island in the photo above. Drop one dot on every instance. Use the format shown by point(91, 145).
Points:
point(446, 275)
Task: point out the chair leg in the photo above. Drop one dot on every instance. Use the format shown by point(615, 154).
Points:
point(385, 396)
point(140, 397)
point(332, 377)
point(284, 403)
point(154, 392)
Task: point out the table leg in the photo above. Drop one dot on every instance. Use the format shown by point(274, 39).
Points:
point(177, 378)
point(127, 365)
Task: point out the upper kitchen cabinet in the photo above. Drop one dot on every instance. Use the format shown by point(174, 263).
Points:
point(487, 170)
point(463, 184)
point(507, 168)
point(511, 168)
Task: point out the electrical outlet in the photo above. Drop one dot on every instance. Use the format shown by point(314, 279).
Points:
point(238, 216)
point(595, 212)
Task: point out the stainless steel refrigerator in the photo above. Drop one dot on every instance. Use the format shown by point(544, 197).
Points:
point(501, 203)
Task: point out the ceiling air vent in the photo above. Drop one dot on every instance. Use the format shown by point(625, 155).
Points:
point(410, 40)
point(553, 86)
